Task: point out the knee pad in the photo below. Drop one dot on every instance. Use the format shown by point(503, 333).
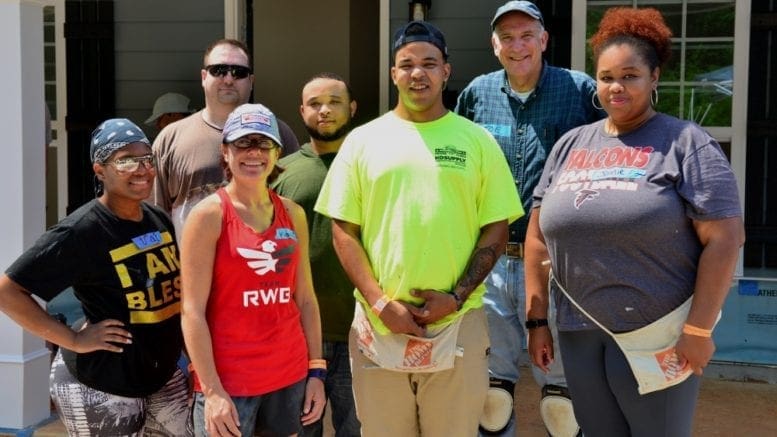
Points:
point(498, 409)
point(557, 413)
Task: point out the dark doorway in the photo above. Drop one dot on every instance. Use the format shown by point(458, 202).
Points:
point(558, 22)
point(90, 88)
point(365, 61)
point(761, 175)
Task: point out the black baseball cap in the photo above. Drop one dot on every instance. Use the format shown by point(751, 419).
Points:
point(420, 31)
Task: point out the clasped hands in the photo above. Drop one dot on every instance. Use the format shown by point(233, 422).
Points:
point(406, 318)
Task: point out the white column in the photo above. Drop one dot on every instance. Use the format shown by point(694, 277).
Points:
point(24, 360)
point(234, 20)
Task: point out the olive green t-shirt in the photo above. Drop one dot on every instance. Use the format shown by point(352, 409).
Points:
point(301, 181)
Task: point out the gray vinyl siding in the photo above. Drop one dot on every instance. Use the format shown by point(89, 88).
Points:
point(294, 40)
point(467, 29)
point(159, 47)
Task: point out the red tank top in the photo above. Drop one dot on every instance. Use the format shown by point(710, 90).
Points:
point(258, 342)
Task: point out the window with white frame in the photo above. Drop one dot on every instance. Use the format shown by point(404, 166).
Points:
point(50, 62)
point(706, 79)
point(697, 82)
point(55, 94)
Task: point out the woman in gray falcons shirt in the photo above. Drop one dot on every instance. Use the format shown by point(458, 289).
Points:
point(636, 213)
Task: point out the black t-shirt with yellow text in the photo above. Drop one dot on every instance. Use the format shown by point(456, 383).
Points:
point(119, 269)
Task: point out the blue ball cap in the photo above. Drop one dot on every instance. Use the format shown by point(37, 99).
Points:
point(525, 7)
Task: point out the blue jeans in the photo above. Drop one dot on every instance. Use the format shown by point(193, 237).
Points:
point(339, 393)
point(505, 305)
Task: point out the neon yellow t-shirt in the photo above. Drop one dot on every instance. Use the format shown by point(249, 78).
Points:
point(420, 192)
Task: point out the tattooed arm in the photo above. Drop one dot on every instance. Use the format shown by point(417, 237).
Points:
point(440, 303)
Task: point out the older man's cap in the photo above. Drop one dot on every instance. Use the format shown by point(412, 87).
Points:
point(525, 7)
point(420, 31)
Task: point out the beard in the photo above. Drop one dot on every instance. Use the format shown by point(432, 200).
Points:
point(336, 135)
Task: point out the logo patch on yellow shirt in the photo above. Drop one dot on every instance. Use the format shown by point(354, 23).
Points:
point(450, 157)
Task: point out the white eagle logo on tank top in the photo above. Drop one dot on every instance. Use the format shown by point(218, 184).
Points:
point(261, 261)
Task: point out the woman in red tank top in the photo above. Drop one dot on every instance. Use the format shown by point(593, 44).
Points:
point(250, 317)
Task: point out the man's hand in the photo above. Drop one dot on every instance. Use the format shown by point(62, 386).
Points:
point(104, 335)
point(400, 318)
point(437, 304)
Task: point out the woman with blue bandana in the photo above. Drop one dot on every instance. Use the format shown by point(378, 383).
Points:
point(115, 372)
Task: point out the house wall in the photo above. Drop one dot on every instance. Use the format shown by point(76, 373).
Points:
point(467, 28)
point(291, 46)
point(159, 47)
point(305, 44)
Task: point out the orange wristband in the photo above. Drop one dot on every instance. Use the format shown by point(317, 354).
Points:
point(380, 304)
point(694, 330)
point(317, 364)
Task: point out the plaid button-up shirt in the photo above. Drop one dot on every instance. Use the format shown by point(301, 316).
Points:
point(527, 130)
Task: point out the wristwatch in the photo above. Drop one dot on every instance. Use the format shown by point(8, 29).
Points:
point(535, 323)
point(458, 299)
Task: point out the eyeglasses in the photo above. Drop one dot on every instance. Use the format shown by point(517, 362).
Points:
point(221, 70)
point(132, 163)
point(254, 143)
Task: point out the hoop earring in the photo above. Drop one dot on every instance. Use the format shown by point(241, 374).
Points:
point(593, 102)
point(654, 97)
point(98, 186)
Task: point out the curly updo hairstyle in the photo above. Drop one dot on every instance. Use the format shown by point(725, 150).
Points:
point(642, 29)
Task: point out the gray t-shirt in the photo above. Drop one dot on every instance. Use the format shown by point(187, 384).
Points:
point(617, 218)
point(188, 154)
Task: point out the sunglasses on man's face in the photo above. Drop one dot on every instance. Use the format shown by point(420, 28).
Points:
point(221, 70)
point(131, 164)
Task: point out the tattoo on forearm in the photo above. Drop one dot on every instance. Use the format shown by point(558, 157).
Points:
point(481, 262)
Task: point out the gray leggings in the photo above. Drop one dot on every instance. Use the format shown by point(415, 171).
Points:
point(604, 392)
point(89, 412)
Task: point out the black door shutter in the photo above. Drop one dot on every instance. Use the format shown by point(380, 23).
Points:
point(761, 173)
point(90, 87)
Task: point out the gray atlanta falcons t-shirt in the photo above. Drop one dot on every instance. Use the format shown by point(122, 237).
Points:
point(617, 217)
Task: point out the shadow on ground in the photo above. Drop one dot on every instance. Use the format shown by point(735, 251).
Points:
point(726, 408)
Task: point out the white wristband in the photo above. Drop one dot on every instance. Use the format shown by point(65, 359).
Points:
point(380, 304)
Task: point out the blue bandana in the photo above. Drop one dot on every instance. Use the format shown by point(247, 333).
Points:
point(112, 135)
